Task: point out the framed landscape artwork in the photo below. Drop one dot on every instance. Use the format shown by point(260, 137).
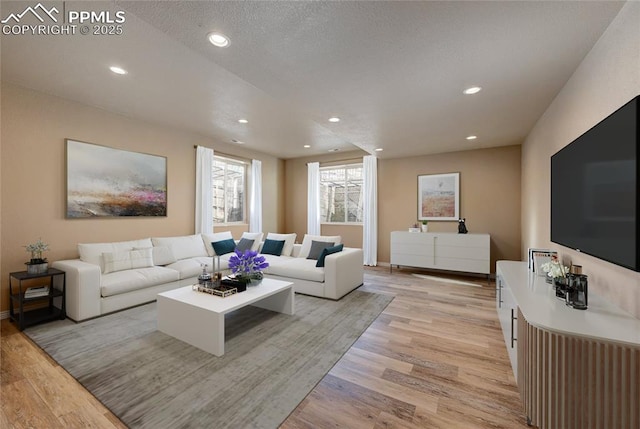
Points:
point(108, 182)
point(439, 196)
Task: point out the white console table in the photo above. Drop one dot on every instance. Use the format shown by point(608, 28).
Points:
point(443, 251)
point(575, 368)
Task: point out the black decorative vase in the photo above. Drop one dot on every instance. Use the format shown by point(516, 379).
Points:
point(560, 285)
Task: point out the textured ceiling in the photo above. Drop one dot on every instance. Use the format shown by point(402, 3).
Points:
point(393, 71)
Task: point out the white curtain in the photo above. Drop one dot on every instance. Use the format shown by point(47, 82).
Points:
point(204, 190)
point(370, 210)
point(255, 206)
point(313, 198)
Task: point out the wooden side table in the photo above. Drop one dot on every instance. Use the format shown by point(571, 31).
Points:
point(27, 317)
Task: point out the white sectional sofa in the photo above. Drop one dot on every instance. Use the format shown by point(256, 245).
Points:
point(112, 276)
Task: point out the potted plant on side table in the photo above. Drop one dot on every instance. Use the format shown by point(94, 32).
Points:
point(425, 226)
point(37, 264)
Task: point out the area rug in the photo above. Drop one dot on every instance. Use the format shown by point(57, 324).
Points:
point(151, 380)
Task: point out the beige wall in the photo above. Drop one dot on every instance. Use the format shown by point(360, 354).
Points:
point(489, 197)
point(608, 77)
point(296, 191)
point(34, 128)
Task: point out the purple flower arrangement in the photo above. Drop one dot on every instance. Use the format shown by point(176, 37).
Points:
point(247, 263)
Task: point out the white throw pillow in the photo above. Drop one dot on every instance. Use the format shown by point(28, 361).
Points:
point(162, 255)
point(141, 258)
point(92, 252)
point(183, 247)
point(214, 237)
point(289, 240)
point(255, 236)
point(306, 242)
point(127, 260)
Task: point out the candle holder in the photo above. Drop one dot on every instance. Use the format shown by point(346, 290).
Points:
point(204, 278)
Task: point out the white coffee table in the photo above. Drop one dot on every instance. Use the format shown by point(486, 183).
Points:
point(197, 318)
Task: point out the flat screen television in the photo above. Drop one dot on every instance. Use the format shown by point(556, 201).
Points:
point(594, 190)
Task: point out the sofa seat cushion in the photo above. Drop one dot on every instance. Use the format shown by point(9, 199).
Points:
point(224, 262)
point(189, 267)
point(298, 268)
point(274, 261)
point(138, 278)
point(192, 267)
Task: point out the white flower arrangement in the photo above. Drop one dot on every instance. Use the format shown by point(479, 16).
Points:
point(555, 269)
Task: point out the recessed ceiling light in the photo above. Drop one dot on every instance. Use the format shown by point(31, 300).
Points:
point(379, 149)
point(472, 90)
point(236, 141)
point(334, 119)
point(243, 121)
point(218, 39)
point(472, 137)
point(307, 146)
point(118, 70)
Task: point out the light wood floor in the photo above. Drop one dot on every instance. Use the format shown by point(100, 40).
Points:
point(434, 358)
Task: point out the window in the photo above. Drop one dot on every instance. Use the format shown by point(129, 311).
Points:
point(341, 194)
point(228, 190)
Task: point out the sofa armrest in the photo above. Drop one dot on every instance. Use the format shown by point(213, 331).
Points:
point(82, 290)
point(343, 272)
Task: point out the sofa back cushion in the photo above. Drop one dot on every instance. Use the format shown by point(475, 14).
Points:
point(289, 240)
point(309, 239)
point(92, 252)
point(183, 247)
point(216, 236)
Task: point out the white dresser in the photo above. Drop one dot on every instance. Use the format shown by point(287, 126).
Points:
point(574, 368)
point(443, 251)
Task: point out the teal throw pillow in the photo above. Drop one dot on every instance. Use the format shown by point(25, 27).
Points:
point(317, 247)
point(272, 247)
point(328, 251)
point(223, 247)
point(244, 244)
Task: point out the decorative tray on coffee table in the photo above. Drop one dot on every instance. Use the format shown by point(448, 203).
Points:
point(219, 290)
